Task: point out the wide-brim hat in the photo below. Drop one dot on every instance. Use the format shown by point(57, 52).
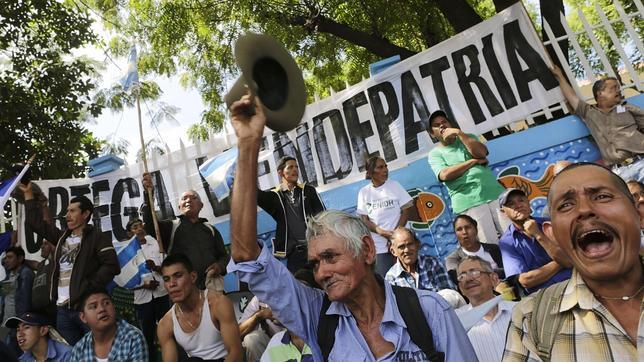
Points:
point(271, 74)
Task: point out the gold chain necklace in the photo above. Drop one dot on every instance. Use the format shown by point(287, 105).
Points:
point(200, 312)
point(624, 298)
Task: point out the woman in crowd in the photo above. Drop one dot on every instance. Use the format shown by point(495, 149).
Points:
point(383, 205)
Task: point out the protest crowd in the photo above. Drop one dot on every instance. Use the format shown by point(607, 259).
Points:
point(567, 285)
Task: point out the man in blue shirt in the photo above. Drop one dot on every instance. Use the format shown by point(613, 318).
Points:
point(342, 253)
point(525, 249)
point(35, 339)
point(413, 270)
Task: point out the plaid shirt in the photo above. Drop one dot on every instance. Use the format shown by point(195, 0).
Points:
point(588, 331)
point(432, 275)
point(128, 345)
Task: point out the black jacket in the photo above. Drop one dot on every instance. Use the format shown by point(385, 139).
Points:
point(271, 202)
point(96, 263)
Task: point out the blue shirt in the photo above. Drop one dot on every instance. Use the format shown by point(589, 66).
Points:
point(522, 253)
point(128, 346)
point(298, 308)
point(432, 275)
point(56, 352)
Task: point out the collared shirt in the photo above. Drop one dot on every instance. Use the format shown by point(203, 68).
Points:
point(56, 352)
point(522, 253)
point(432, 275)
point(588, 331)
point(151, 252)
point(488, 336)
point(255, 306)
point(281, 348)
point(618, 133)
point(128, 346)
point(298, 308)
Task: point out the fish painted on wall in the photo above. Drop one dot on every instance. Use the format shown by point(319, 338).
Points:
point(510, 178)
point(429, 206)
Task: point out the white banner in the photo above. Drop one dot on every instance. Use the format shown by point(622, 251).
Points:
point(488, 76)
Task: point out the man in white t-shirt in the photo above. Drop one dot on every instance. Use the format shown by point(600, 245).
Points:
point(151, 298)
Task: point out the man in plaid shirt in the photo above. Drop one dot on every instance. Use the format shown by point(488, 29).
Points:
point(109, 339)
point(413, 270)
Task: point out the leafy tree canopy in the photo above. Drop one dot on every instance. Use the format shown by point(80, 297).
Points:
point(44, 90)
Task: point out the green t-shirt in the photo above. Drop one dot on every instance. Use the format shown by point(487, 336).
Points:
point(475, 187)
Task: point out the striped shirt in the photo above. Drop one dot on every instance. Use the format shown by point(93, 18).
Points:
point(588, 331)
point(488, 336)
point(432, 275)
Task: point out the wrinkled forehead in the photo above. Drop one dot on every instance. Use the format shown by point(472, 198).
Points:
point(190, 194)
point(579, 178)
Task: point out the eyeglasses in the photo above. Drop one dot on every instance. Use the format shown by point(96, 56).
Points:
point(472, 273)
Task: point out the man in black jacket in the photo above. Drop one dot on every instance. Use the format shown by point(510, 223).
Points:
point(190, 235)
point(84, 258)
point(290, 204)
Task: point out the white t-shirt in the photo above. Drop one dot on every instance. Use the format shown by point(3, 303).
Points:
point(68, 254)
point(481, 253)
point(382, 204)
point(151, 251)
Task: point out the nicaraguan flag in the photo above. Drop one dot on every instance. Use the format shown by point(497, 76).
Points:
point(219, 172)
point(131, 77)
point(7, 186)
point(132, 262)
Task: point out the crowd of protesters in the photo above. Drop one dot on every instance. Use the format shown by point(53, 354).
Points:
point(355, 287)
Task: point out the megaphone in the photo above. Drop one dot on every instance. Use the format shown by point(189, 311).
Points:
point(270, 73)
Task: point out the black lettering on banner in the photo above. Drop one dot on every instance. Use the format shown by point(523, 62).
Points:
point(329, 173)
point(122, 186)
point(412, 98)
point(80, 190)
point(100, 210)
point(358, 131)
point(384, 119)
point(465, 82)
point(501, 82)
point(435, 69)
point(517, 45)
point(162, 198)
point(307, 172)
point(58, 209)
point(219, 207)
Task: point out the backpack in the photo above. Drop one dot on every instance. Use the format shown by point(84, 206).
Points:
point(544, 325)
point(411, 312)
point(175, 226)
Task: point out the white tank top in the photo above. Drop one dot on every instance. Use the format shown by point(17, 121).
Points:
point(204, 342)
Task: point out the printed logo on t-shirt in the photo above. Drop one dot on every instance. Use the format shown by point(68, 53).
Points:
point(380, 205)
point(409, 356)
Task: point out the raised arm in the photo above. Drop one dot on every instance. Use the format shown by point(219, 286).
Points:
point(566, 89)
point(34, 216)
point(243, 208)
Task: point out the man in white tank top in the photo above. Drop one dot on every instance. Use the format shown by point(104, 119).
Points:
point(203, 323)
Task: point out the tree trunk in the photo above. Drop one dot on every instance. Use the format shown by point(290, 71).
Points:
point(459, 13)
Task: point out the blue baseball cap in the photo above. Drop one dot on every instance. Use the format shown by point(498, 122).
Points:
point(30, 318)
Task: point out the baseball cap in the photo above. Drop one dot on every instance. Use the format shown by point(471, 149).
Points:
point(30, 318)
point(437, 114)
point(503, 198)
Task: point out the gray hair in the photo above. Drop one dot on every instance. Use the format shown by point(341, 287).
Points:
point(347, 227)
point(484, 263)
point(193, 191)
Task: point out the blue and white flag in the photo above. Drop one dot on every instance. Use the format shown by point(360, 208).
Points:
point(219, 172)
point(7, 186)
point(131, 76)
point(132, 262)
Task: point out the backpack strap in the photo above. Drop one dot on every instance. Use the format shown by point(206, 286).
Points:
point(417, 325)
point(327, 325)
point(545, 325)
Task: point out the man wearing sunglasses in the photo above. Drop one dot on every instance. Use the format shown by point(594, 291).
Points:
point(477, 280)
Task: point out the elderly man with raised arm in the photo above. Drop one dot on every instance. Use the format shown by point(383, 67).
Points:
point(367, 324)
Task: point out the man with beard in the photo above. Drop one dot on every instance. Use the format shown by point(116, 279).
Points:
point(356, 317)
point(525, 249)
point(597, 315)
point(460, 162)
point(616, 126)
point(190, 235)
point(200, 321)
point(290, 204)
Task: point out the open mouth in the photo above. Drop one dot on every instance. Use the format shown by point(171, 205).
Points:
point(595, 243)
point(104, 318)
point(21, 341)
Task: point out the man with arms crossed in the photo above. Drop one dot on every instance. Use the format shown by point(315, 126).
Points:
point(200, 321)
point(342, 253)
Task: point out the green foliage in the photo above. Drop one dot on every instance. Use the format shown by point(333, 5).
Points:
point(44, 90)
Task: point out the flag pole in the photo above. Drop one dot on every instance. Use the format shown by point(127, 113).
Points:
point(137, 92)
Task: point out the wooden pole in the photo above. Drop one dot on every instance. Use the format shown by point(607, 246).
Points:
point(150, 191)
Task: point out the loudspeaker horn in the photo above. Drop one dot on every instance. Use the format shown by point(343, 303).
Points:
point(270, 73)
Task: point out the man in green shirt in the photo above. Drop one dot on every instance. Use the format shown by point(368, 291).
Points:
point(460, 162)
